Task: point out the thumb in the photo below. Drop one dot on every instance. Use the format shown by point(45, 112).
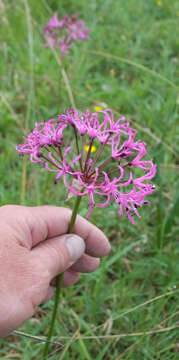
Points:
point(59, 253)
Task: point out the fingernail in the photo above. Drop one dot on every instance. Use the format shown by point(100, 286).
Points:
point(76, 247)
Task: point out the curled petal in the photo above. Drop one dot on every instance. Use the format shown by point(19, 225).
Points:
point(128, 182)
point(103, 205)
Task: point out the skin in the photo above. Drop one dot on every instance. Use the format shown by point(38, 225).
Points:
point(34, 250)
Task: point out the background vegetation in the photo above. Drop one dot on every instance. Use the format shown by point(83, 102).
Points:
point(128, 308)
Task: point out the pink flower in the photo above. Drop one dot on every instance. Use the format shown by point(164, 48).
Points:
point(44, 134)
point(63, 33)
point(54, 23)
point(110, 174)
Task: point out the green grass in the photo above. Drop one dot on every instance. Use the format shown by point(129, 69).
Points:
point(134, 292)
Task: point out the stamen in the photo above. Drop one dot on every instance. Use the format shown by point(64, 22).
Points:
point(49, 160)
point(88, 154)
point(59, 151)
point(77, 146)
point(69, 153)
point(82, 146)
point(58, 160)
point(105, 163)
point(100, 150)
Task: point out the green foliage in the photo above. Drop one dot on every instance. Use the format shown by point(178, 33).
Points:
point(130, 64)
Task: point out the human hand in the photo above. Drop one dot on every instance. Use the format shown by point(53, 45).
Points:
point(34, 249)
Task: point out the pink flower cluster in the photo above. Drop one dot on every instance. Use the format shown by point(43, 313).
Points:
point(117, 172)
point(62, 33)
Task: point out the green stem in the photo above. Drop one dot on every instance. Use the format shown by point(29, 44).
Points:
point(59, 282)
point(65, 77)
point(54, 313)
point(74, 214)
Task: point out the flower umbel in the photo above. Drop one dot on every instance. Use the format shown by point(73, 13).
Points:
point(64, 32)
point(115, 173)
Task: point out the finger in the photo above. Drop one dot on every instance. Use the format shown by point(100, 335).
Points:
point(59, 253)
point(86, 264)
point(50, 221)
point(70, 277)
point(31, 225)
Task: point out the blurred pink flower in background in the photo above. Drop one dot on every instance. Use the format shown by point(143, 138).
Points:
point(116, 173)
point(64, 32)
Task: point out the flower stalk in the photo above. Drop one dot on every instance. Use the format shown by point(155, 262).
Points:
point(58, 292)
